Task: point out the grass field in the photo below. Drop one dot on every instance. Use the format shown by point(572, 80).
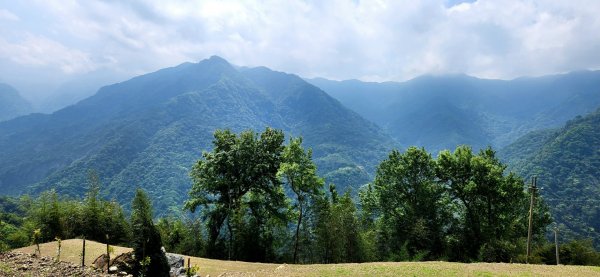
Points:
point(71, 251)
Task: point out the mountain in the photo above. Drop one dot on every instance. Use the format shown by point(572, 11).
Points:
point(76, 89)
point(148, 132)
point(566, 161)
point(11, 103)
point(440, 112)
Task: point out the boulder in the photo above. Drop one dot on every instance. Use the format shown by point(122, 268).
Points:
point(176, 263)
point(100, 262)
point(124, 262)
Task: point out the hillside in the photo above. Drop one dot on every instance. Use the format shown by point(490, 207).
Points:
point(11, 103)
point(566, 161)
point(440, 112)
point(148, 131)
point(72, 248)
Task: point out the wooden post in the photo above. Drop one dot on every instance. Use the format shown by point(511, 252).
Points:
point(107, 254)
point(83, 254)
point(189, 272)
point(556, 245)
point(532, 190)
point(58, 250)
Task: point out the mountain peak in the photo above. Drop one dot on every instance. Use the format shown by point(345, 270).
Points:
point(216, 59)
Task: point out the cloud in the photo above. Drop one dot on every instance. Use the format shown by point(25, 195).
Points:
point(37, 51)
point(7, 15)
point(370, 40)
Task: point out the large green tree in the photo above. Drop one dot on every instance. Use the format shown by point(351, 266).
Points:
point(410, 205)
point(236, 185)
point(490, 206)
point(300, 174)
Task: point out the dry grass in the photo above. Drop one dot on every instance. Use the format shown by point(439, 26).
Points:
point(71, 251)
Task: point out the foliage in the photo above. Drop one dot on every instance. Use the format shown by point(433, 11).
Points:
point(300, 174)
point(337, 229)
point(575, 252)
point(410, 204)
point(566, 162)
point(147, 241)
point(183, 236)
point(460, 206)
point(148, 131)
point(237, 187)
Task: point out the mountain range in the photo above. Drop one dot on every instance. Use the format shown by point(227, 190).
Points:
point(148, 131)
point(12, 104)
point(441, 112)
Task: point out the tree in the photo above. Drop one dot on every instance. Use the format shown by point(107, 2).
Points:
point(146, 240)
point(492, 206)
point(46, 215)
point(337, 229)
point(238, 179)
point(92, 210)
point(300, 174)
point(410, 205)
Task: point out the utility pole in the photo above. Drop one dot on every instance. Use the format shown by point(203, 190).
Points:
point(532, 190)
point(556, 244)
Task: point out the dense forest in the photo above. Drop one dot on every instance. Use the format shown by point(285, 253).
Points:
point(460, 109)
point(256, 197)
point(567, 160)
point(148, 131)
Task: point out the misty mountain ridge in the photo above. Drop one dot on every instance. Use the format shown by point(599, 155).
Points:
point(440, 112)
point(148, 131)
point(12, 104)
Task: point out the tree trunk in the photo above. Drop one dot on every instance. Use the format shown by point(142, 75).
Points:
point(297, 234)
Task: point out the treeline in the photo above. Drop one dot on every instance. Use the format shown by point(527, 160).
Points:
point(256, 198)
point(62, 218)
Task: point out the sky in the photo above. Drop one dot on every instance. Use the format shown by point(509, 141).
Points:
point(45, 43)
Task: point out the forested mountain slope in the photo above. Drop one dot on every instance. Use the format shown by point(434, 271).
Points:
point(148, 131)
point(567, 163)
point(440, 112)
point(11, 103)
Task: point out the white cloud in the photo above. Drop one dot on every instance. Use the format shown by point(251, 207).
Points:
point(341, 39)
point(37, 51)
point(7, 15)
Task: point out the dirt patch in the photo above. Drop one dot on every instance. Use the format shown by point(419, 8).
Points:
point(21, 264)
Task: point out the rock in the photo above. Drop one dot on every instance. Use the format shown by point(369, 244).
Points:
point(176, 263)
point(100, 262)
point(175, 260)
point(124, 262)
point(122, 273)
point(112, 269)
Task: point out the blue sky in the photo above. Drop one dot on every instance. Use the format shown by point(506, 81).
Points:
point(44, 43)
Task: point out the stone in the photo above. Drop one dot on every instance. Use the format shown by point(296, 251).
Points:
point(175, 260)
point(176, 263)
point(113, 269)
point(100, 262)
point(124, 262)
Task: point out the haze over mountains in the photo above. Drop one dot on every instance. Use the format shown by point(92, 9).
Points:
point(12, 104)
point(149, 131)
point(440, 112)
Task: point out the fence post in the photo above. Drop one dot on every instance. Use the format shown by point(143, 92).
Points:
point(83, 254)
